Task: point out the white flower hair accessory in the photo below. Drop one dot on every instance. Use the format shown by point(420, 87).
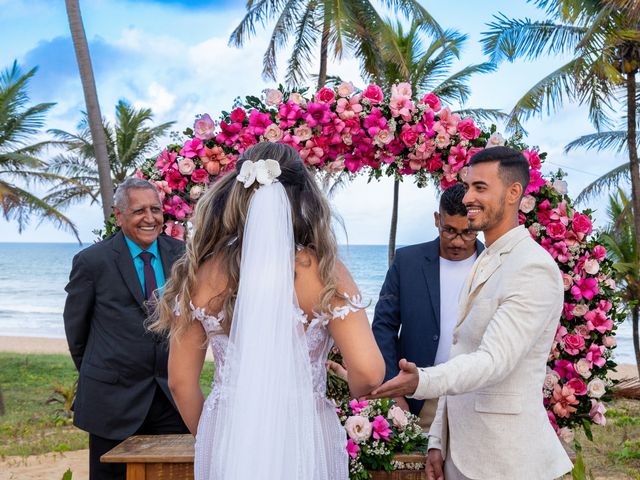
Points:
point(264, 171)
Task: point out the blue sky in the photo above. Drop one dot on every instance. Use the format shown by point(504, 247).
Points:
point(173, 57)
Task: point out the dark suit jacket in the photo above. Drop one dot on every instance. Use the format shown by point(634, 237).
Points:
point(410, 298)
point(120, 363)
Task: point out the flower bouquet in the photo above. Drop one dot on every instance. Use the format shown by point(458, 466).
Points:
point(379, 432)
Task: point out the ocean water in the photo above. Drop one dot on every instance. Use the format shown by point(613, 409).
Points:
point(33, 277)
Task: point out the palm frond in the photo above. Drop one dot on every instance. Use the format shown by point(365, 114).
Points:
point(456, 87)
point(609, 180)
point(615, 140)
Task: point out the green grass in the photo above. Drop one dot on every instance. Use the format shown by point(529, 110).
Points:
point(30, 426)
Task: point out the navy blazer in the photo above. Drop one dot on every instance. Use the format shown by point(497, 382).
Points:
point(119, 361)
point(410, 298)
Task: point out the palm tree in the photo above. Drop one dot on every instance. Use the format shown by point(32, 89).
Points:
point(622, 246)
point(129, 141)
point(341, 25)
point(611, 140)
point(603, 37)
point(93, 107)
point(404, 57)
point(19, 161)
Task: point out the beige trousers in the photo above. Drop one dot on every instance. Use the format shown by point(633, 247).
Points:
point(427, 414)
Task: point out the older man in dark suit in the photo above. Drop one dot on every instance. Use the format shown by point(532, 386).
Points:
point(122, 389)
point(417, 308)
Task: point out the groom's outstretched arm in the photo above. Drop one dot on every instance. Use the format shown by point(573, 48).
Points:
point(386, 321)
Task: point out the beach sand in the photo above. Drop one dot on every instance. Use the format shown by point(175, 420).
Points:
point(52, 466)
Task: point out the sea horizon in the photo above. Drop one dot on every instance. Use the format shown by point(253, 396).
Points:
point(33, 276)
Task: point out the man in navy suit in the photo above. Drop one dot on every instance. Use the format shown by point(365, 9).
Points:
point(122, 389)
point(417, 309)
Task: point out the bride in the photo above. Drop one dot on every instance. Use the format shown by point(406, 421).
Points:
point(262, 285)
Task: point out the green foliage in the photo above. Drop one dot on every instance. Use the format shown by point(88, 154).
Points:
point(629, 451)
point(20, 163)
point(64, 395)
point(68, 475)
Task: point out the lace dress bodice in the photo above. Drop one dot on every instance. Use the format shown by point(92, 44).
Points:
point(330, 439)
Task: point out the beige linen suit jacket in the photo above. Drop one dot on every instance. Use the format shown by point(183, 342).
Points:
point(491, 414)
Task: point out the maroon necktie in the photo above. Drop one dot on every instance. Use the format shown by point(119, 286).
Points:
point(149, 275)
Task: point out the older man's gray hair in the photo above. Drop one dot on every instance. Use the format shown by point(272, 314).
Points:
point(121, 197)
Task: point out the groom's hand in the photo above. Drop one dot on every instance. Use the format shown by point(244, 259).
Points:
point(435, 464)
point(405, 383)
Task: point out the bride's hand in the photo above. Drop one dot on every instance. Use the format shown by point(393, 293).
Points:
point(337, 369)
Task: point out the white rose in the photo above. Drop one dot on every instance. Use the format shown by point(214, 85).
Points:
point(551, 379)
point(397, 415)
point(303, 132)
point(383, 137)
point(527, 203)
point(295, 97)
point(583, 368)
point(611, 283)
point(560, 186)
point(495, 140)
point(273, 133)
point(358, 428)
point(196, 192)
point(566, 435)
point(580, 309)
point(347, 139)
point(591, 266)
point(345, 89)
point(272, 96)
point(596, 388)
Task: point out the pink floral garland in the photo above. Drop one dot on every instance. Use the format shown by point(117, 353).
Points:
point(343, 130)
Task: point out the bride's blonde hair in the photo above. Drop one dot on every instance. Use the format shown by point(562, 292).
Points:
point(218, 228)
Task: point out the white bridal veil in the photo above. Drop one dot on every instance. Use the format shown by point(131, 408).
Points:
point(265, 417)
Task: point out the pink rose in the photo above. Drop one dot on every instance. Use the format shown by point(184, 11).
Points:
point(408, 136)
point(200, 175)
point(374, 94)
point(238, 115)
point(596, 388)
point(468, 130)
point(527, 204)
point(174, 230)
point(272, 96)
point(533, 158)
point(325, 95)
point(580, 309)
point(398, 417)
point(303, 132)
point(583, 367)
point(566, 435)
point(582, 330)
point(581, 224)
point(609, 342)
point(345, 89)
point(591, 266)
point(196, 192)
point(573, 344)
point(433, 101)
point(204, 127)
point(599, 252)
point(579, 387)
point(186, 166)
point(567, 281)
point(556, 230)
point(273, 133)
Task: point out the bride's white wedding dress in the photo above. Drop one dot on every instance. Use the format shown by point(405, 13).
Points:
point(331, 461)
point(267, 417)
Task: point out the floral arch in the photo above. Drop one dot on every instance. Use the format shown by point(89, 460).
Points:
point(345, 130)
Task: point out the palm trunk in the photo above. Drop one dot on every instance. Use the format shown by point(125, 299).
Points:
point(633, 158)
point(324, 49)
point(394, 221)
point(635, 313)
point(93, 107)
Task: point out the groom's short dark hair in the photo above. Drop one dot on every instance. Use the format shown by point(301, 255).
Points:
point(512, 166)
point(451, 200)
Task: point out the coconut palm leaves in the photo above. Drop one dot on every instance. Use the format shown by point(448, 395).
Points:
point(129, 140)
point(339, 25)
point(20, 164)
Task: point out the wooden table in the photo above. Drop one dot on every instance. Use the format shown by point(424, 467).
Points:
point(155, 457)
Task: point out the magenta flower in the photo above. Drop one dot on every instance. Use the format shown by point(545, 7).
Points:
point(533, 158)
point(200, 175)
point(374, 94)
point(258, 122)
point(352, 448)
point(535, 182)
point(178, 208)
point(374, 122)
point(175, 180)
point(565, 369)
point(468, 130)
point(581, 224)
point(381, 428)
point(573, 344)
point(192, 148)
point(317, 114)
point(433, 101)
point(357, 406)
point(203, 127)
point(585, 288)
point(599, 252)
point(556, 230)
point(165, 161)
point(597, 320)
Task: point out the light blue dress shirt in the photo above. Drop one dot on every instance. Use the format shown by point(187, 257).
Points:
point(156, 262)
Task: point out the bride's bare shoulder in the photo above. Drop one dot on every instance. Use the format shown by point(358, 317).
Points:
point(211, 280)
point(309, 282)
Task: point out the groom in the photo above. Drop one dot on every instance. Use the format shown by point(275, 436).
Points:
point(122, 389)
point(491, 421)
